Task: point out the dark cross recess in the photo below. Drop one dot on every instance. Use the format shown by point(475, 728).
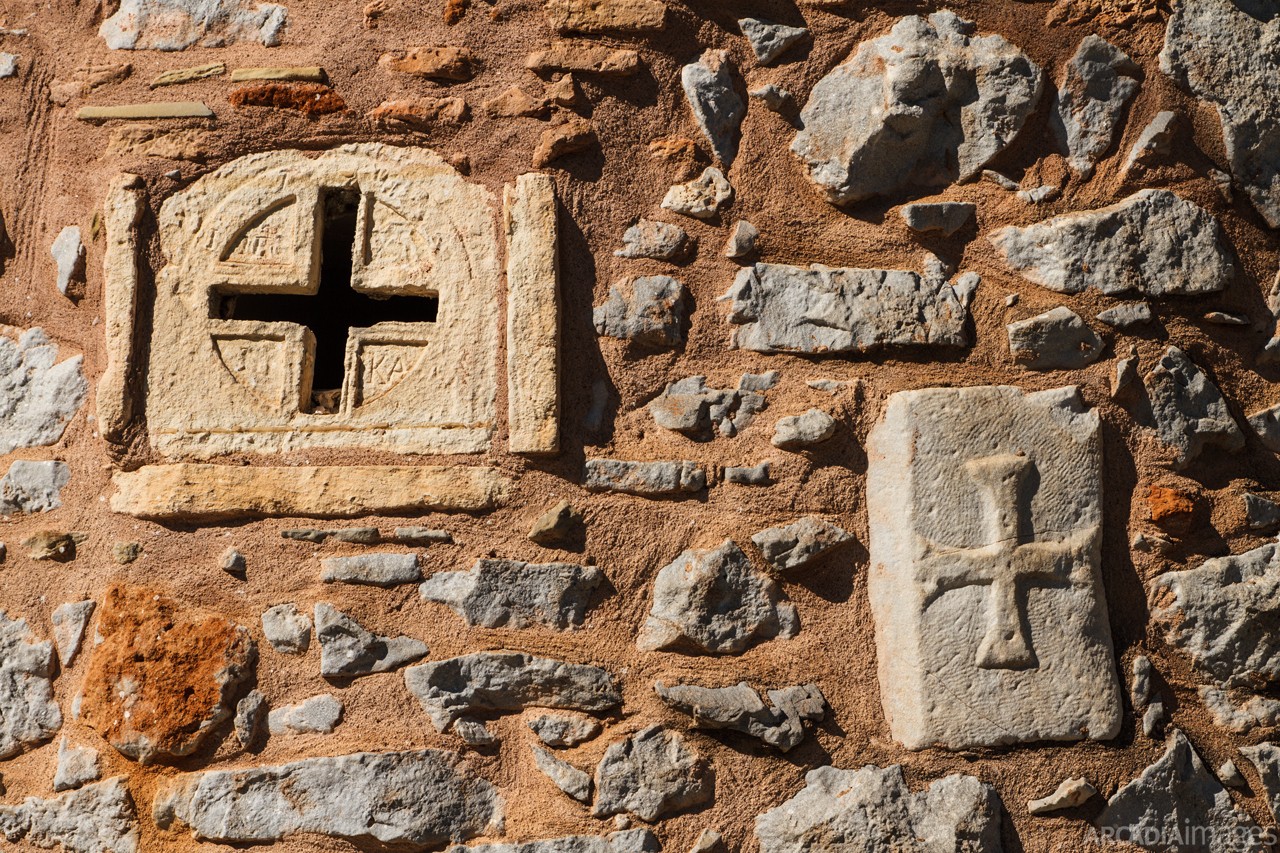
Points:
point(336, 307)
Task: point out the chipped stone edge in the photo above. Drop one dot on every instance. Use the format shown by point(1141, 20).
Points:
point(207, 491)
point(533, 314)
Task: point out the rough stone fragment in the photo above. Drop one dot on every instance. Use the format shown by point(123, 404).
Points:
point(1190, 413)
point(28, 712)
point(800, 543)
point(8, 65)
point(383, 570)
point(602, 16)
point(1265, 757)
point(162, 677)
point(179, 24)
point(1156, 140)
point(1055, 340)
point(1174, 793)
point(741, 709)
point(709, 841)
point(800, 432)
point(1070, 794)
point(69, 622)
point(1237, 712)
point(714, 601)
point(630, 841)
point(52, 545)
point(1140, 686)
point(648, 311)
point(561, 730)
point(742, 240)
point(516, 102)
point(1223, 615)
point(1267, 426)
point(126, 552)
point(582, 57)
point(1040, 195)
point(1224, 318)
point(985, 516)
point(872, 809)
point(1230, 775)
point(451, 64)
point(647, 479)
point(196, 491)
point(651, 774)
point(38, 395)
point(1125, 381)
point(1261, 513)
point(1153, 242)
point(772, 96)
point(570, 779)
point(233, 563)
point(700, 198)
point(1127, 316)
point(98, 818)
point(286, 629)
point(563, 139)
point(473, 732)
point(33, 486)
point(68, 256)
point(690, 407)
point(754, 475)
point(1153, 718)
point(557, 525)
point(348, 650)
point(77, 766)
point(316, 715)
point(648, 238)
point(507, 681)
point(422, 113)
point(717, 107)
point(943, 217)
point(1100, 81)
point(250, 712)
point(420, 798)
point(514, 594)
point(191, 74)
point(928, 104)
point(824, 310)
point(768, 40)
point(1227, 52)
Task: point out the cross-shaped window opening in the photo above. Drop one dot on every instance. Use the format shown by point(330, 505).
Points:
point(336, 307)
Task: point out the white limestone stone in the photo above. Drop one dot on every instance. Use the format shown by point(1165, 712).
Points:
point(985, 510)
point(315, 715)
point(1099, 82)
point(68, 255)
point(417, 799)
point(98, 818)
point(927, 104)
point(38, 394)
point(77, 766)
point(178, 24)
point(287, 629)
point(28, 712)
point(69, 621)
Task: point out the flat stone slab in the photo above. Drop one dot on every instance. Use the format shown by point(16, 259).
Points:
point(422, 798)
point(371, 569)
point(647, 479)
point(872, 809)
point(985, 510)
point(826, 310)
point(202, 491)
point(348, 650)
point(507, 681)
point(1153, 242)
point(515, 594)
point(1190, 412)
point(651, 774)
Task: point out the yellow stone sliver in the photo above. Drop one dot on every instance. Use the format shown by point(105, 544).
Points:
point(151, 110)
point(307, 73)
point(205, 491)
point(189, 75)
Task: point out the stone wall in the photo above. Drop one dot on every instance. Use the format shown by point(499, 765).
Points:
point(635, 425)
